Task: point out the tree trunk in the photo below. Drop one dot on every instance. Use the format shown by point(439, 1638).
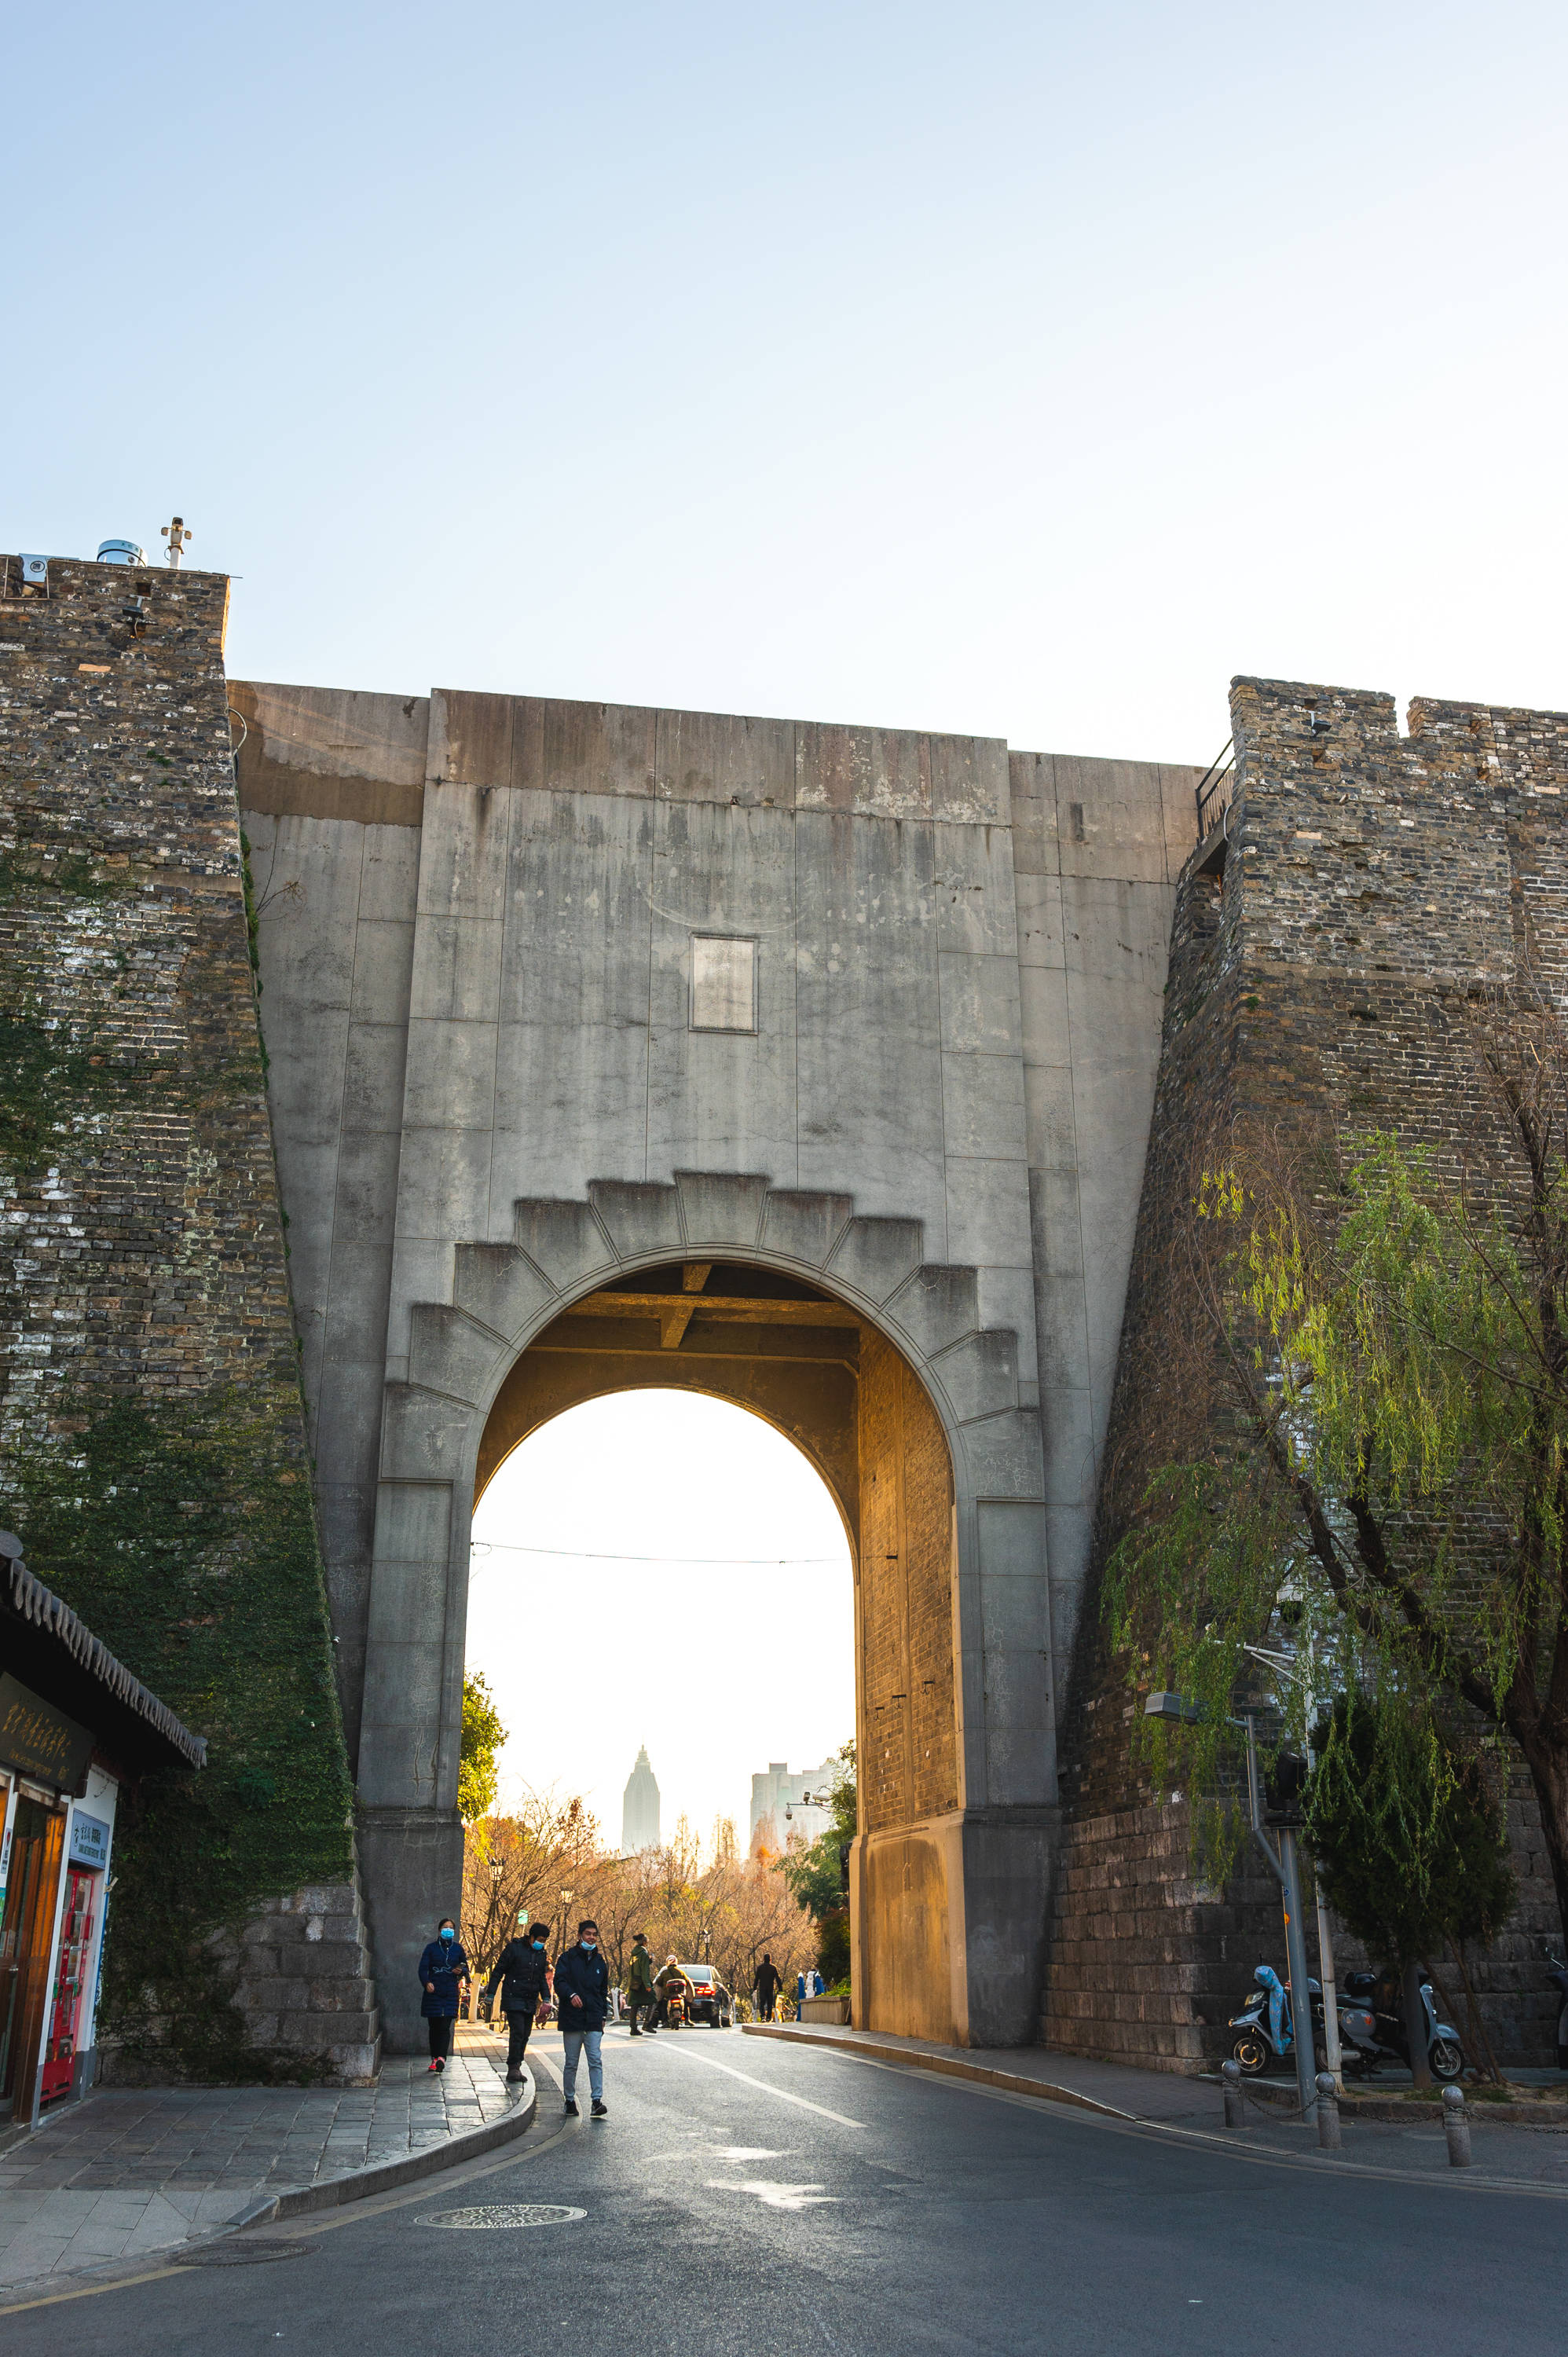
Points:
point(1415, 2027)
point(1549, 1774)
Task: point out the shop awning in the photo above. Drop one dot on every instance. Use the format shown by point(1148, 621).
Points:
point(47, 1648)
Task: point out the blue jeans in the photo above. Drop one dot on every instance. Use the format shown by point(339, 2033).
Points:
point(574, 2041)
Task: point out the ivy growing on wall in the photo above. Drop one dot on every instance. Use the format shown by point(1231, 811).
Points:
point(184, 1535)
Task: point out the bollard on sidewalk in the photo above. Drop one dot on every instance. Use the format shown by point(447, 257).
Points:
point(1456, 2128)
point(1327, 2112)
point(1231, 2075)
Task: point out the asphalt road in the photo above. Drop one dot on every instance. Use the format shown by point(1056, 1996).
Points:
point(794, 2202)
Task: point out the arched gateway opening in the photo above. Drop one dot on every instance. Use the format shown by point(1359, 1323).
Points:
point(877, 1365)
point(824, 1377)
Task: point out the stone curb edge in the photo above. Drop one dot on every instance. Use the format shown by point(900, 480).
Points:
point(1012, 2082)
point(362, 2184)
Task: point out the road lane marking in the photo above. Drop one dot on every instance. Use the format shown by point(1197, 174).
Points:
point(744, 2152)
point(695, 2055)
point(776, 2197)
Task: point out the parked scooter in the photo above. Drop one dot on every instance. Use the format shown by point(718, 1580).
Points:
point(1368, 2036)
point(1557, 1973)
point(1264, 2025)
point(1372, 2031)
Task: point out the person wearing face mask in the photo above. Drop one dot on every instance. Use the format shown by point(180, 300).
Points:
point(523, 1976)
point(442, 1979)
point(582, 2000)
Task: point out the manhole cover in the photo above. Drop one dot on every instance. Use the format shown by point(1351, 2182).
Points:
point(508, 2213)
point(240, 2254)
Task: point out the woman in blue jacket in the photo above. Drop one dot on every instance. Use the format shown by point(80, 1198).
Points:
point(443, 1979)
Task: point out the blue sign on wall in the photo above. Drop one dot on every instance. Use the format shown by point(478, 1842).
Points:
point(88, 1841)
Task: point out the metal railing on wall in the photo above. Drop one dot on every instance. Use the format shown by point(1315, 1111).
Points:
point(1214, 789)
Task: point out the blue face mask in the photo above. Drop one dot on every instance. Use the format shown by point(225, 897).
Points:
point(447, 1933)
point(539, 1944)
point(589, 1944)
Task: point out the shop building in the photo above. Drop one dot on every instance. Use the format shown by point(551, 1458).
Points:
point(75, 1727)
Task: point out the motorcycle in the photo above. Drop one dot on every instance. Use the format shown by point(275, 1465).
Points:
point(1557, 1973)
point(1372, 2030)
point(1368, 2036)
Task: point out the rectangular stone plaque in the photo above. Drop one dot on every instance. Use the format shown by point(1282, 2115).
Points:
point(724, 984)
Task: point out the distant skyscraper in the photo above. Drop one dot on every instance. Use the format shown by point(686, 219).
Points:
point(640, 1810)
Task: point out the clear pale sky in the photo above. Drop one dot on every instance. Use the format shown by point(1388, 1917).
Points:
point(718, 1666)
point(1025, 369)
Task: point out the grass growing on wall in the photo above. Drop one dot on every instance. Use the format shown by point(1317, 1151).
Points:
point(184, 1536)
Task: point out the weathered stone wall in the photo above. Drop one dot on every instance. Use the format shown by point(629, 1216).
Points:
point(1320, 954)
point(152, 1449)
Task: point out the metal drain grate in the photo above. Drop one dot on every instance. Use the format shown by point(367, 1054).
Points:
point(240, 2254)
point(508, 2213)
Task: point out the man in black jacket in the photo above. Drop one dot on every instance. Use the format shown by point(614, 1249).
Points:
point(523, 1976)
point(582, 2000)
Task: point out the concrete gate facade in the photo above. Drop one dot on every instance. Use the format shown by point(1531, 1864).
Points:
point(830, 1032)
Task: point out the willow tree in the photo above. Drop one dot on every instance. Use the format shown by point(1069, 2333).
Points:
point(1376, 1477)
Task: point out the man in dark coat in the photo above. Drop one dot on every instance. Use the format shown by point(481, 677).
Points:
point(766, 1987)
point(639, 1983)
point(523, 1976)
point(443, 1977)
point(582, 2000)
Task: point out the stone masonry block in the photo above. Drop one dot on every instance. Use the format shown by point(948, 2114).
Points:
point(564, 1241)
point(447, 1353)
point(718, 1209)
point(875, 1256)
point(638, 1218)
point(804, 1226)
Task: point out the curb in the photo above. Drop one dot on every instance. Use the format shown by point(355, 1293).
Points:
point(1013, 2082)
point(362, 2184)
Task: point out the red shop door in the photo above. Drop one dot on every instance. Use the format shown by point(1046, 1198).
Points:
point(70, 1982)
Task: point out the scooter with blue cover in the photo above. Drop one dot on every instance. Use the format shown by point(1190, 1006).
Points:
point(1265, 2030)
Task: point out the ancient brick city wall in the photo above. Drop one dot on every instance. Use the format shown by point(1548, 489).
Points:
point(152, 1447)
point(1321, 951)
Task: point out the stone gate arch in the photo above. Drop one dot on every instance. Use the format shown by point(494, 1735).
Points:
point(949, 1872)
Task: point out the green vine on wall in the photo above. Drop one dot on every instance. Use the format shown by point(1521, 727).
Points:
point(185, 1538)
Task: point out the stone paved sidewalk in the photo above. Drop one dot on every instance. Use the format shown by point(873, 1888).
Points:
point(1503, 2154)
point(125, 2172)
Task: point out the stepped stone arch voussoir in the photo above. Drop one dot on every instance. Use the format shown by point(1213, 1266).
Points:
point(504, 1295)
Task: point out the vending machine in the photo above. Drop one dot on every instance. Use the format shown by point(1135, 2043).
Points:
point(72, 1993)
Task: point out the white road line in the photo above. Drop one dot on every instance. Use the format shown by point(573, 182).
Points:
point(695, 2054)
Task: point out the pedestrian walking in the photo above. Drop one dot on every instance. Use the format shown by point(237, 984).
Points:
point(443, 1980)
point(766, 1987)
point(582, 2000)
point(522, 1976)
point(639, 1983)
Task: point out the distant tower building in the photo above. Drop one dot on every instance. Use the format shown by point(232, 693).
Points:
point(776, 1791)
point(640, 1810)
